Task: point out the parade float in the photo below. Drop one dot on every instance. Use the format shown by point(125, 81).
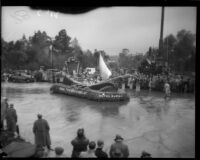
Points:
point(105, 90)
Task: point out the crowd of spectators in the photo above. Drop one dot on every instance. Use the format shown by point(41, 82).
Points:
point(82, 146)
point(178, 83)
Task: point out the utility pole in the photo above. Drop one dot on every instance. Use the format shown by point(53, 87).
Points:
point(167, 61)
point(161, 35)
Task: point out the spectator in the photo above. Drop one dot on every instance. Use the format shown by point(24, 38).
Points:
point(4, 108)
point(41, 153)
point(167, 89)
point(99, 151)
point(138, 86)
point(41, 131)
point(119, 149)
point(150, 84)
point(11, 118)
point(145, 155)
point(59, 152)
point(79, 144)
point(91, 152)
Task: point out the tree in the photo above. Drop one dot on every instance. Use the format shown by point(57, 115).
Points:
point(62, 42)
point(17, 59)
point(40, 39)
point(76, 50)
point(183, 50)
point(40, 43)
point(4, 53)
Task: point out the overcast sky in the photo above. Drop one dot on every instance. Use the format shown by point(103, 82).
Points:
point(108, 29)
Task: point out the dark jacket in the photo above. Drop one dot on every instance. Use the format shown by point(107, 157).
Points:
point(79, 145)
point(100, 153)
point(11, 118)
point(4, 108)
point(119, 147)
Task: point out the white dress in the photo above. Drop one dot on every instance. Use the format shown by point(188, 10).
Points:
point(167, 89)
point(137, 87)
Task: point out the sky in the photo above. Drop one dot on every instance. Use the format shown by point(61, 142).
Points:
point(109, 29)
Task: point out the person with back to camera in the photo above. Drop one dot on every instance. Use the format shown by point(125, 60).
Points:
point(4, 108)
point(41, 131)
point(119, 149)
point(145, 155)
point(59, 152)
point(91, 151)
point(99, 151)
point(11, 118)
point(79, 143)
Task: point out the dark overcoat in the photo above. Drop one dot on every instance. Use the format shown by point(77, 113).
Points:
point(79, 145)
point(4, 108)
point(41, 130)
point(11, 119)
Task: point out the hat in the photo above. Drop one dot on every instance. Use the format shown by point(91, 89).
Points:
point(118, 137)
point(145, 154)
point(11, 105)
point(59, 150)
point(80, 132)
point(100, 143)
point(39, 115)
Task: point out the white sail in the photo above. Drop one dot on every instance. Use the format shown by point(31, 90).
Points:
point(104, 71)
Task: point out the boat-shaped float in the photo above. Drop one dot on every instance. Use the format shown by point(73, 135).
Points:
point(86, 92)
point(105, 90)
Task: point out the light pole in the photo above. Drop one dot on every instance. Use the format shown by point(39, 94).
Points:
point(51, 50)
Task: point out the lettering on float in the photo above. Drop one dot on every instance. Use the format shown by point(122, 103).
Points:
point(62, 89)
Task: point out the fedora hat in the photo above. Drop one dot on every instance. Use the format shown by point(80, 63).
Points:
point(39, 115)
point(118, 137)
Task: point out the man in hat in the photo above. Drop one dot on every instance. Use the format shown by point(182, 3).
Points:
point(99, 151)
point(4, 108)
point(41, 131)
point(79, 143)
point(11, 118)
point(90, 153)
point(145, 155)
point(118, 148)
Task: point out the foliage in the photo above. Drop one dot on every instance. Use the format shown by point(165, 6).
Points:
point(129, 61)
point(179, 51)
point(62, 42)
point(38, 50)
